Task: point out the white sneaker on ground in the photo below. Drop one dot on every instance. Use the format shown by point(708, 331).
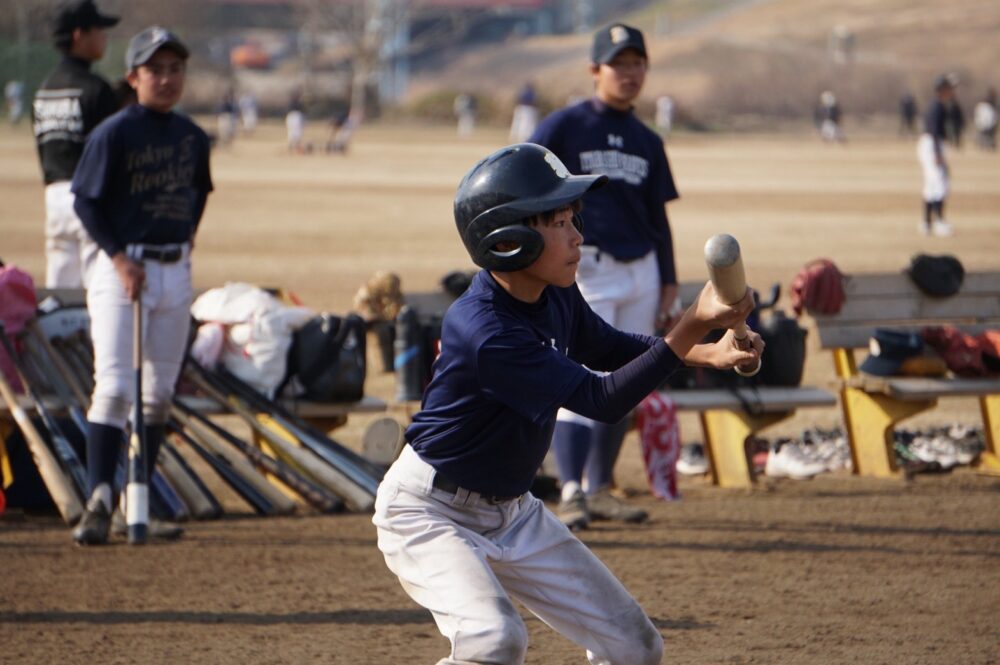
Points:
point(942, 229)
point(923, 229)
point(692, 461)
point(789, 461)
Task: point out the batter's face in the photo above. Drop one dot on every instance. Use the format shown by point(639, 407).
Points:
point(159, 82)
point(620, 81)
point(558, 261)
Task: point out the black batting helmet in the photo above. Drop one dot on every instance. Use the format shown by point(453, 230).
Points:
point(509, 186)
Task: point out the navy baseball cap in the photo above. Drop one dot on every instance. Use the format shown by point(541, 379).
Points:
point(613, 39)
point(948, 80)
point(142, 47)
point(74, 14)
point(888, 349)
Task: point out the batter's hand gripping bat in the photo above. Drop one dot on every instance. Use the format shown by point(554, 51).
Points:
point(725, 269)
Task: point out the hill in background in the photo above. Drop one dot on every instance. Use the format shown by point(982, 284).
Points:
point(731, 63)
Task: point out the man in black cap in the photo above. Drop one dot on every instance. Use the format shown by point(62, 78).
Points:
point(69, 104)
point(627, 271)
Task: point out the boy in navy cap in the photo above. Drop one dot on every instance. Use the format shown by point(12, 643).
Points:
point(456, 522)
point(627, 271)
point(140, 188)
point(68, 105)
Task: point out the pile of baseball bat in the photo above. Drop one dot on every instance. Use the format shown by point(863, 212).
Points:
point(285, 465)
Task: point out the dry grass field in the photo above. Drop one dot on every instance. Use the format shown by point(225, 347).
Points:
point(836, 570)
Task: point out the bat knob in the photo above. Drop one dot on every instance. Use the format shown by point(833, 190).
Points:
point(743, 371)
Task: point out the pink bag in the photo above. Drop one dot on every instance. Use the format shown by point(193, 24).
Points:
point(660, 435)
point(17, 307)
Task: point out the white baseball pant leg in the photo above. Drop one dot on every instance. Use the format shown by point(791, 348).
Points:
point(464, 558)
point(69, 251)
point(625, 295)
point(166, 304)
point(936, 184)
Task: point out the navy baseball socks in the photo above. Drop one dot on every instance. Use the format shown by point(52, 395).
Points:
point(103, 448)
point(104, 444)
point(604, 449)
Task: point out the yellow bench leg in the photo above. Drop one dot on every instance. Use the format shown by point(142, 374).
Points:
point(989, 459)
point(869, 420)
point(726, 436)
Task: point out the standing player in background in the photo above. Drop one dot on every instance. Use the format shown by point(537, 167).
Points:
point(933, 158)
point(456, 521)
point(140, 189)
point(525, 118)
point(627, 272)
point(69, 104)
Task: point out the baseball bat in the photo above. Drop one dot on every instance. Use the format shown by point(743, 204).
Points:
point(201, 503)
point(59, 486)
point(725, 269)
point(361, 471)
point(224, 469)
point(137, 488)
point(60, 443)
point(47, 361)
point(313, 494)
point(283, 505)
point(357, 497)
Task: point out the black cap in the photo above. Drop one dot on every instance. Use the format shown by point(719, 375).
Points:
point(612, 40)
point(74, 14)
point(142, 47)
point(888, 349)
point(948, 80)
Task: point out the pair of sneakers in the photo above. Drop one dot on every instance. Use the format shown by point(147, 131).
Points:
point(96, 523)
point(578, 509)
point(938, 227)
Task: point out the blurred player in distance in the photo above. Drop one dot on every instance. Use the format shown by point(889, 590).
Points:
point(933, 158)
point(70, 103)
point(984, 116)
point(627, 271)
point(456, 521)
point(525, 117)
point(141, 188)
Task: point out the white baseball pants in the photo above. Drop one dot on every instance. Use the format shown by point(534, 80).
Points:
point(464, 559)
point(166, 318)
point(936, 183)
point(625, 294)
point(69, 251)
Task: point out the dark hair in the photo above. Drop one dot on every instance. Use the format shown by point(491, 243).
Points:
point(546, 217)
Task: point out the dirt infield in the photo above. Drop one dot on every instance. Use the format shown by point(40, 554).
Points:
point(834, 570)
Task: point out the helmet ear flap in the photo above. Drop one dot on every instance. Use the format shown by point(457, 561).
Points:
point(527, 245)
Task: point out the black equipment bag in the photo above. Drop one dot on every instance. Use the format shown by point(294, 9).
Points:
point(327, 357)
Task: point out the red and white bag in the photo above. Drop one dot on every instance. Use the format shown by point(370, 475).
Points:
point(660, 435)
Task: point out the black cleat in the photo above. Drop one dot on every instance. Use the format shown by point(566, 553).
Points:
point(94, 525)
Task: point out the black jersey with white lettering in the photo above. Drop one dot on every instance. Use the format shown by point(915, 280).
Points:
point(68, 105)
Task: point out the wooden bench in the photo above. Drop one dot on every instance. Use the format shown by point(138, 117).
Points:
point(871, 405)
point(727, 424)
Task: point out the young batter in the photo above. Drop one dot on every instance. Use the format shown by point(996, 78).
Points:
point(455, 520)
point(140, 189)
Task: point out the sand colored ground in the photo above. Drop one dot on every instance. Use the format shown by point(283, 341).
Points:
point(836, 570)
